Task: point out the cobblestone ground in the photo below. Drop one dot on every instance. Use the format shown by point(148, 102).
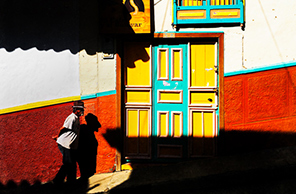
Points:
point(269, 181)
point(264, 181)
point(48, 188)
point(272, 180)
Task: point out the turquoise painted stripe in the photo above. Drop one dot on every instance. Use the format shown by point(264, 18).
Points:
point(107, 93)
point(259, 69)
point(85, 97)
point(100, 94)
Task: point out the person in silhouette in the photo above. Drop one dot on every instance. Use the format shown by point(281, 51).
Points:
point(87, 150)
point(68, 139)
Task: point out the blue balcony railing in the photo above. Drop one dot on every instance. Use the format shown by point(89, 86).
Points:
point(208, 11)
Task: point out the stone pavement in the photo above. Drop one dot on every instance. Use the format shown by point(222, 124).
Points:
point(272, 169)
point(264, 164)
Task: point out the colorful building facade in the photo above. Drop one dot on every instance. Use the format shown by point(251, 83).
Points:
point(168, 80)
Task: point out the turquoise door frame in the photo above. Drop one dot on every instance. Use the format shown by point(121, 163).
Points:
point(169, 85)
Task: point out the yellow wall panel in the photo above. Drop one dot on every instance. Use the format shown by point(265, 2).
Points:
point(210, 65)
point(170, 96)
point(208, 124)
point(163, 124)
point(177, 64)
point(138, 65)
point(144, 132)
point(144, 127)
point(163, 64)
point(225, 13)
point(202, 97)
point(197, 126)
point(203, 65)
point(197, 65)
point(177, 125)
point(132, 119)
point(137, 96)
point(191, 14)
point(194, 2)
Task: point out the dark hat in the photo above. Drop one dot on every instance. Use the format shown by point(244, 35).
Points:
point(78, 104)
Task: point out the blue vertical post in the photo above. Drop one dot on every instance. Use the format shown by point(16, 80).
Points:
point(175, 5)
point(208, 2)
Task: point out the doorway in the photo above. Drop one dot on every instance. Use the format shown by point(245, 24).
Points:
point(171, 100)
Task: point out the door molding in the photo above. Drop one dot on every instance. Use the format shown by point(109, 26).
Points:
point(191, 37)
point(220, 40)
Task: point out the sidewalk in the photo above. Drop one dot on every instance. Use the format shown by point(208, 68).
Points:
point(261, 164)
point(272, 171)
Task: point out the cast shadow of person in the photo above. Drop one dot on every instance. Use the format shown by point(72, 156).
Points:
point(87, 150)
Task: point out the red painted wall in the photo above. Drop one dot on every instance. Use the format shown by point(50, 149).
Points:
point(105, 109)
point(260, 110)
point(28, 152)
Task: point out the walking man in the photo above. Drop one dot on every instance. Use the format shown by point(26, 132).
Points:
point(67, 140)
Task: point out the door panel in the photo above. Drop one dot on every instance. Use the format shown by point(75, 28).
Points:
point(137, 141)
point(177, 124)
point(170, 100)
point(177, 64)
point(170, 96)
point(203, 65)
point(202, 132)
point(203, 98)
point(163, 124)
point(137, 65)
point(138, 96)
point(163, 64)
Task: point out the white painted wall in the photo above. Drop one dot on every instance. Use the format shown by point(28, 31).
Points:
point(269, 37)
point(34, 76)
point(88, 73)
point(106, 73)
point(96, 74)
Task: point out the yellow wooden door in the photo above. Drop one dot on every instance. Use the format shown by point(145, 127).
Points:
point(203, 99)
point(137, 90)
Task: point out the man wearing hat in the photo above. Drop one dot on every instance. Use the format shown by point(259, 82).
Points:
point(67, 140)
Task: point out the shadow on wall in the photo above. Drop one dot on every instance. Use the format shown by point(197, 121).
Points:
point(135, 51)
point(88, 144)
point(228, 143)
point(237, 142)
point(60, 25)
point(233, 143)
